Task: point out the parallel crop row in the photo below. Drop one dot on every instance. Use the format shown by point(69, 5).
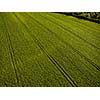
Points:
point(48, 49)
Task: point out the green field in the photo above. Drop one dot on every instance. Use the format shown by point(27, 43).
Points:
point(48, 49)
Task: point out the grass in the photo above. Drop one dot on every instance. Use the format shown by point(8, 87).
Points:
point(48, 49)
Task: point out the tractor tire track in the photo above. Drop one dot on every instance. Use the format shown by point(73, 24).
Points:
point(11, 52)
point(65, 44)
point(78, 52)
point(72, 33)
point(76, 24)
point(80, 23)
point(57, 65)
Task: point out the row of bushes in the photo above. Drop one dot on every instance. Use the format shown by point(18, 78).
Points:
point(92, 16)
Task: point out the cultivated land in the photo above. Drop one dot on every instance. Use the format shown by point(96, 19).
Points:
point(48, 49)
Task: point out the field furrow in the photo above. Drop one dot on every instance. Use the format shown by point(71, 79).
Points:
point(50, 57)
point(48, 49)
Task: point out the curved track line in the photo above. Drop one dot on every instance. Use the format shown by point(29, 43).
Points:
point(58, 66)
point(80, 23)
point(72, 33)
point(76, 24)
point(11, 52)
point(78, 52)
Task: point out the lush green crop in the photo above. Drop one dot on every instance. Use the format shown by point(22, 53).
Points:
point(48, 49)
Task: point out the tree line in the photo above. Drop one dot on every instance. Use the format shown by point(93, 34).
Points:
point(92, 16)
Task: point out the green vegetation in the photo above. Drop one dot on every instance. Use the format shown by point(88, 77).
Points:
point(48, 49)
point(91, 16)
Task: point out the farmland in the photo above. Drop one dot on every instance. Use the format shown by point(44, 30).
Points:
point(48, 49)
